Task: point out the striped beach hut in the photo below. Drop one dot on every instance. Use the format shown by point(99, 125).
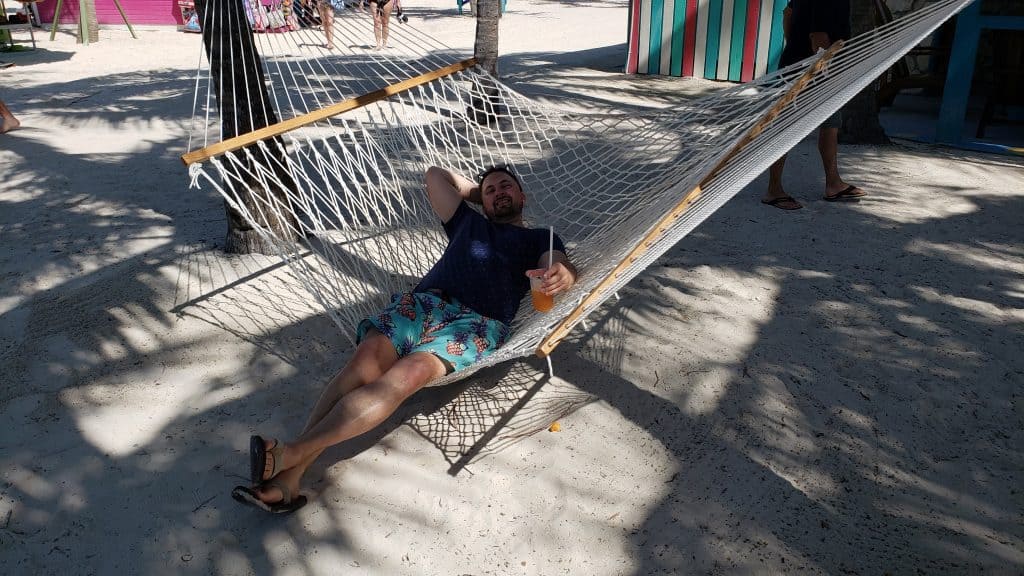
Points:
point(735, 40)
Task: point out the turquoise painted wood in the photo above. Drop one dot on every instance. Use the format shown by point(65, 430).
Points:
point(657, 17)
point(678, 28)
point(961, 71)
point(777, 40)
point(953, 111)
point(714, 35)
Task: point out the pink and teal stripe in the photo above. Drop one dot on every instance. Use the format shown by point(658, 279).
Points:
point(735, 40)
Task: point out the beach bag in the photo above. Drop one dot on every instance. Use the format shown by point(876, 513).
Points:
point(192, 25)
point(275, 19)
point(288, 9)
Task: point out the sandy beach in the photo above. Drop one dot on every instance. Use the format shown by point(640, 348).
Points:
point(836, 390)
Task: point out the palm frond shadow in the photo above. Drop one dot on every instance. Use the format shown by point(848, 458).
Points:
point(499, 407)
point(255, 298)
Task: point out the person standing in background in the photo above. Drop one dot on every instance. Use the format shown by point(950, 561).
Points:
point(381, 10)
point(327, 21)
point(810, 25)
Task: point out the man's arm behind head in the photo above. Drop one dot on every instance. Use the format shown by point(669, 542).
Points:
point(446, 190)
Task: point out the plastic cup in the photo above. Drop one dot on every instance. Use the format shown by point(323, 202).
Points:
point(541, 302)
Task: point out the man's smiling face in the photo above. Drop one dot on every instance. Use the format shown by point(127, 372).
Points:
point(503, 199)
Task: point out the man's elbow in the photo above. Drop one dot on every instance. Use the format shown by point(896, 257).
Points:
point(820, 41)
point(436, 179)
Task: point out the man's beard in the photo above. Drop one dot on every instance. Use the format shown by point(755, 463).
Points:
point(505, 209)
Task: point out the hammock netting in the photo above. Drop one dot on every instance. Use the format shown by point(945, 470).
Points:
point(342, 198)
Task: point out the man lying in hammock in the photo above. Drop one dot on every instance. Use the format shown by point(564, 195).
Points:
point(458, 313)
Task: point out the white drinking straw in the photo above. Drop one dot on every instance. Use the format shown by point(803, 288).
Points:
point(551, 244)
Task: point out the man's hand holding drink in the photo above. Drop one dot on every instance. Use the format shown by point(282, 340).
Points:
point(545, 283)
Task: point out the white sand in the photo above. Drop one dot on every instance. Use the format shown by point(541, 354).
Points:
point(836, 390)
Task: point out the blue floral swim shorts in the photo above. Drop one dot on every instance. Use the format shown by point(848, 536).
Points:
point(444, 327)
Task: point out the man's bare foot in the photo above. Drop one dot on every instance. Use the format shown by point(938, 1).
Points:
point(272, 493)
point(9, 124)
point(843, 191)
point(276, 450)
point(288, 502)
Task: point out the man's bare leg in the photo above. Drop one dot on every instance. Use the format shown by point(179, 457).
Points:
point(356, 412)
point(776, 195)
point(376, 25)
point(327, 22)
point(374, 356)
point(828, 147)
point(7, 120)
point(385, 17)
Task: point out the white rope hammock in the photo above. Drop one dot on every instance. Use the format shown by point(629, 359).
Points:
point(621, 189)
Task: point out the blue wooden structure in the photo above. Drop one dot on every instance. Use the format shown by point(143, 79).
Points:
point(461, 3)
point(953, 112)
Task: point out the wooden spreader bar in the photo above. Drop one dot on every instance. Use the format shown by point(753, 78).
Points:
point(562, 330)
point(311, 117)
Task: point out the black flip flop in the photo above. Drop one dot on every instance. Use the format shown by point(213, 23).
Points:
point(257, 459)
point(845, 194)
point(776, 201)
point(286, 505)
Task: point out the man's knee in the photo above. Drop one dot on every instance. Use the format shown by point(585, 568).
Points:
point(414, 372)
point(427, 366)
point(378, 347)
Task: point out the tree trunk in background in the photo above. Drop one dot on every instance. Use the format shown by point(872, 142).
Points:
point(239, 84)
point(486, 106)
point(486, 46)
point(90, 18)
point(860, 116)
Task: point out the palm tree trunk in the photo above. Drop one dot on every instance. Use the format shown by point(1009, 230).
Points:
point(860, 116)
point(239, 84)
point(485, 106)
point(89, 17)
point(486, 46)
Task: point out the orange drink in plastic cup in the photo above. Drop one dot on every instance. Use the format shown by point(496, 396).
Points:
point(541, 302)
